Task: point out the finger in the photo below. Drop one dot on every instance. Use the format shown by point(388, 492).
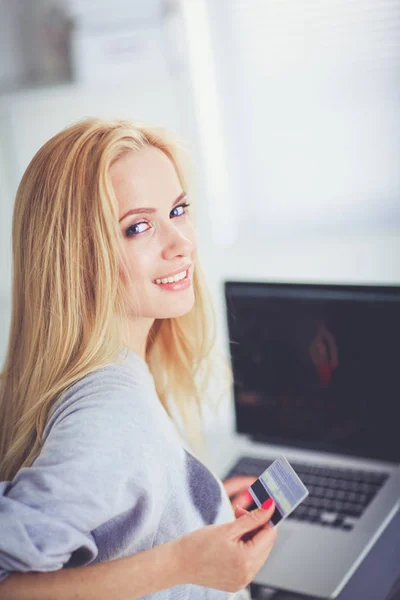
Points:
point(236, 485)
point(253, 519)
point(244, 500)
point(239, 511)
point(263, 537)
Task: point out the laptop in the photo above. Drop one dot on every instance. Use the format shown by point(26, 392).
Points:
point(316, 378)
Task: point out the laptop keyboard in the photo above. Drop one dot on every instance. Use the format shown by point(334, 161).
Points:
point(338, 496)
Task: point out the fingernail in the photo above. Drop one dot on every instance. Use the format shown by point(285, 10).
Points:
point(249, 498)
point(267, 504)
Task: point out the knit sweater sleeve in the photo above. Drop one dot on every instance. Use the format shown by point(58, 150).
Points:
point(94, 464)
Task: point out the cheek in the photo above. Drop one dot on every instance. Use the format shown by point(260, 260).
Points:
point(192, 236)
point(138, 262)
point(123, 272)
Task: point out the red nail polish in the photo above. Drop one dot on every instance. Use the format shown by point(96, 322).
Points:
point(249, 498)
point(267, 504)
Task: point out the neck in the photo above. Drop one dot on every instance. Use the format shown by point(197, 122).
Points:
point(138, 332)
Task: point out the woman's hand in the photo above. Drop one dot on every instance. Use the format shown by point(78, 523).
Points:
point(227, 557)
point(236, 488)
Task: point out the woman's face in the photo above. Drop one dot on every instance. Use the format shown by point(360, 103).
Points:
point(158, 236)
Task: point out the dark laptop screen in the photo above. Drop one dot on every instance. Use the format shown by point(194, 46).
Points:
point(317, 366)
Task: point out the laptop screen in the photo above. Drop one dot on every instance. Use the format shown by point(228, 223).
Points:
point(317, 366)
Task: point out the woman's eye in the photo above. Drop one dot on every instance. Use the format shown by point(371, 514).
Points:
point(137, 228)
point(179, 210)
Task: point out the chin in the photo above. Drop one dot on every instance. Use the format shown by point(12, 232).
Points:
point(174, 309)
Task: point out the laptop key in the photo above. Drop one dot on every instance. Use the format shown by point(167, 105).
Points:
point(337, 505)
point(356, 510)
point(349, 522)
point(328, 517)
point(312, 501)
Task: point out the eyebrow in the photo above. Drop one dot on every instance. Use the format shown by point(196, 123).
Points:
point(140, 211)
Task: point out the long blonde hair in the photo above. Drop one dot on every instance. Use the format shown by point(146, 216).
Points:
point(67, 289)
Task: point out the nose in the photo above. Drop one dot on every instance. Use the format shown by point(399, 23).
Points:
point(177, 243)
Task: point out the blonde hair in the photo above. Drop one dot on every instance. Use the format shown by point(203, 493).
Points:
point(67, 290)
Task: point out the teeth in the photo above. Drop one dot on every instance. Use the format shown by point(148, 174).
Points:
point(175, 278)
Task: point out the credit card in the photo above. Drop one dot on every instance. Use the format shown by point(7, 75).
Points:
point(281, 483)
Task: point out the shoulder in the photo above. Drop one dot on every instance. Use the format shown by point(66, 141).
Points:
point(111, 394)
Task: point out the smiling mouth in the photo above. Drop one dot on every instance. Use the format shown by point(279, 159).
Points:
point(173, 279)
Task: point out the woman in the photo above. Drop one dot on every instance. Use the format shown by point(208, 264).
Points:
point(110, 325)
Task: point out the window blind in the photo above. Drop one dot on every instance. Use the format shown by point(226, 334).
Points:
point(311, 97)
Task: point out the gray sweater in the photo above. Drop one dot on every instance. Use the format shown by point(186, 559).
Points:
point(113, 478)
